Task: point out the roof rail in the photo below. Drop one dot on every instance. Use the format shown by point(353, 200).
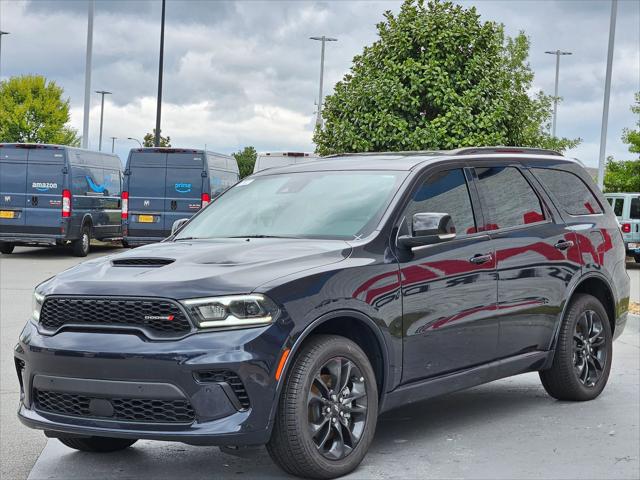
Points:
point(503, 149)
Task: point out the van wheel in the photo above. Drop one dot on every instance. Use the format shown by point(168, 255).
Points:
point(637, 258)
point(7, 248)
point(582, 359)
point(328, 409)
point(81, 246)
point(97, 444)
point(125, 244)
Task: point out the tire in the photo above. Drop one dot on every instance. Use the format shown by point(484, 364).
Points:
point(637, 258)
point(292, 445)
point(125, 244)
point(81, 246)
point(564, 380)
point(97, 444)
point(6, 248)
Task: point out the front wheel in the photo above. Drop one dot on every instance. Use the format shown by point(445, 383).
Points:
point(81, 246)
point(97, 444)
point(6, 248)
point(328, 409)
point(583, 355)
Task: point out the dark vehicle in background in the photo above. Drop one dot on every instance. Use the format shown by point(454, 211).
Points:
point(163, 185)
point(58, 195)
point(308, 299)
point(626, 207)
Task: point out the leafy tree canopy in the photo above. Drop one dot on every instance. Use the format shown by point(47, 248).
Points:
point(150, 139)
point(437, 78)
point(632, 137)
point(32, 110)
point(624, 175)
point(246, 159)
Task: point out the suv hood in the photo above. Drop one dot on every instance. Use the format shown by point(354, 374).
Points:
point(199, 268)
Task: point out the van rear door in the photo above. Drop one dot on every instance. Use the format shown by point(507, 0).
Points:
point(183, 188)
point(45, 183)
point(145, 182)
point(13, 186)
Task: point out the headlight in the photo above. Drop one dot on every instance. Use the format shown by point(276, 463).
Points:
point(232, 311)
point(36, 304)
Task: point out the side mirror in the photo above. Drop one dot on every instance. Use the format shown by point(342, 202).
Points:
point(177, 225)
point(428, 228)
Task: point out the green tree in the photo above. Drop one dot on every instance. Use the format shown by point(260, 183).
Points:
point(246, 159)
point(632, 137)
point(32, 110)
point(437, 78)
point(150, 139)
point(622, 176)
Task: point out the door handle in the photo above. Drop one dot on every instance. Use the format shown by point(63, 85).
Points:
point(480, 259)
point(564, 244)
point(34, 201)
point(174, 205)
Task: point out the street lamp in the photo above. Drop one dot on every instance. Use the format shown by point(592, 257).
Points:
point(160, 69)
point(113, 143)
point(87, 75)
point(102, 93)
point(1, 34)
point(135, 140)
point(322, 39)
point(557, 53)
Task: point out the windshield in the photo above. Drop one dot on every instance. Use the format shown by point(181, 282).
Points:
point(341, 205)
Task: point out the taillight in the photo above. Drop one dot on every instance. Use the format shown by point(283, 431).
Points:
point(625, 227)
point(66, 203)
point(206, 199)
point(125, 205)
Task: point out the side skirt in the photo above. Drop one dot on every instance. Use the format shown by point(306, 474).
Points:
point(433, 387)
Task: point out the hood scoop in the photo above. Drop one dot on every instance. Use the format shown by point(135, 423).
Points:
point(142, 262)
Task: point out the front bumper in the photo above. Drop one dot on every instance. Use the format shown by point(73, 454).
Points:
point(106, 367)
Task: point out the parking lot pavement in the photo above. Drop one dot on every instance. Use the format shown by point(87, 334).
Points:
point(634, 274)
point(19, 273)
point(507, 429)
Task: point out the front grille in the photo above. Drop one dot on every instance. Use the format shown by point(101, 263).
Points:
point(127, 409)
point(142, 262)
point(162, 318)
point(229, 377)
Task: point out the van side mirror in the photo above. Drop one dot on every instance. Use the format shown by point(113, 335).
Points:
point(177, 225)
point(428, 228)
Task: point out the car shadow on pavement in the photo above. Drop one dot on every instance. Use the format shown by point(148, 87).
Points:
point(414, 427)
point(44, 253)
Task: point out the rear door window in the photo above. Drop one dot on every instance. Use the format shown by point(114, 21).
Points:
point(634, 210)
point(618, 206)
point(508, 198)
point(569, 190)
point(444, 192)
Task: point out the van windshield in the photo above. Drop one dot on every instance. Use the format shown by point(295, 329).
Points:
point(340, 205)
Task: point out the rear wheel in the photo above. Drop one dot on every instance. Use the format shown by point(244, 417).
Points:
point(97, 444)
point(637, 258)
point(582, 360)
point(6, 248)
point(81, 246)
point(328, 410)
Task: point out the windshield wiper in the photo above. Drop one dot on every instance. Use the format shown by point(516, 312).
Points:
point(259, 236)
point(186, 238)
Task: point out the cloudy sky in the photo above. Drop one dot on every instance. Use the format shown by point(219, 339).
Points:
point(244, 73)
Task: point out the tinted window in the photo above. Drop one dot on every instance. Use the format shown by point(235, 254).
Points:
point(508, 198)
point(634, 211)
point(569, 190)
point(445, 192)
point(618, 205)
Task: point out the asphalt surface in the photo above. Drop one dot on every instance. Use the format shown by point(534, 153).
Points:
point(506, 429)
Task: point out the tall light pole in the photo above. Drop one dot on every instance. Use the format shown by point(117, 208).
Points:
point(102, 93)
point(135, 140)
point(87, 76)
point(1, 34)
point(323, 39)
point(557, 53)
point(113, 143)
point(160, 68)
point(607, 94)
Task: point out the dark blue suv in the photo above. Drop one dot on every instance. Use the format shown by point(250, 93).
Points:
point(310, 298)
